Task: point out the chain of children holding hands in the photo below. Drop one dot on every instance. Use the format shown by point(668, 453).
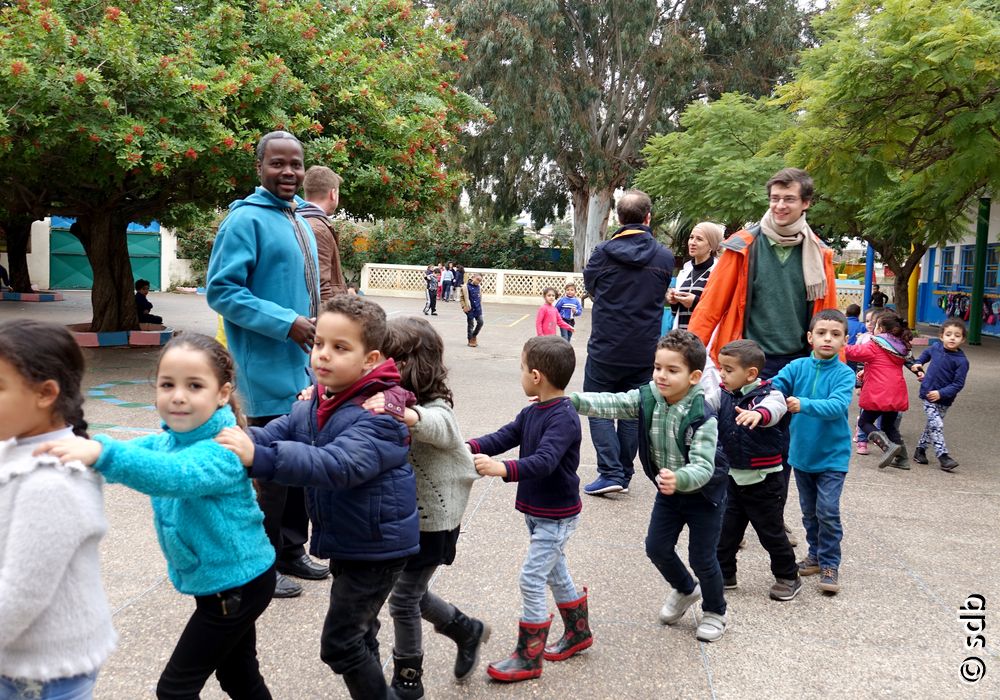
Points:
point(379, 433)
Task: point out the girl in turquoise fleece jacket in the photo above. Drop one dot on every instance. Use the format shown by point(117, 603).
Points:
point(205, 513)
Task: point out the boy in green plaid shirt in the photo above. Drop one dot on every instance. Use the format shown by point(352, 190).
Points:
point(678, 449)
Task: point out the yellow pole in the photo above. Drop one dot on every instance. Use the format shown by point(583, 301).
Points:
point(913, 284)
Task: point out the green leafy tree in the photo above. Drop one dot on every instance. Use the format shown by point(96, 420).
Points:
point(576, 88)
point(899, 110)
point(115, 114)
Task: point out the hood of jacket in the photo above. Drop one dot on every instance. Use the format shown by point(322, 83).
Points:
point(384, 376)
point(891, 344)
point(629, 246)
point(308, 210)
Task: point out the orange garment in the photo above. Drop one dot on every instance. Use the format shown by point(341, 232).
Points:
point(719, 317)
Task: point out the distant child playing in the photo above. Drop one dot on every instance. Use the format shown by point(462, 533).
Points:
point(548, 320)
point(942, 381)
point(206, 517)
point(472, 304)
point(750, 432)
point(55, 625)
point(143, 305)
point(548, 493)
point(569, 307)
point(361, 492)
point(884, 393)
point(678, 448)
point(444, 471)
point(818, 391)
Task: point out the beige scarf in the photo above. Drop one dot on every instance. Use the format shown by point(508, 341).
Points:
point(799, 233)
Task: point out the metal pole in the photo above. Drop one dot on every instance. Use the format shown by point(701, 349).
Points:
point(866, 298)
point(979, 273)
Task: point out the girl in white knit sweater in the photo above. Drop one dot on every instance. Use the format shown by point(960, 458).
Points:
point(444, 470)
point(55, 624)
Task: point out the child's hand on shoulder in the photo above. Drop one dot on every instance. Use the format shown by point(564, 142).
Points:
point(307, 393)
point(487, 466)
point(666, 482)
point(72, 450)
point(237, 442)
point(376, 404)
point(793, 404)
point(751, 419)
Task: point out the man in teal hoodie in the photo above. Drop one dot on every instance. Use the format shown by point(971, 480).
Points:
point(263, 281)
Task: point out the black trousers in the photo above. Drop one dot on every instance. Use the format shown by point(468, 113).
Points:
point(286, 520)
point(431, 302)
point(762, 505)
point(350, 631)
point(890, 425)
point(773, 365)
point(221, 637)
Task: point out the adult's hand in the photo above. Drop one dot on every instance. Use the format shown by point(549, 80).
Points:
point(303, 331)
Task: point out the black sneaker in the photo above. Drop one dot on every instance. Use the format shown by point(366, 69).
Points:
point(829, 581)
point(729, 583)
point(786, 589)
point(947, 463)
point(808, 566)
point(920, 455)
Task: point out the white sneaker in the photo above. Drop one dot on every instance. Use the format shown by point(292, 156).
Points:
point(677, 604)
point(712, 627)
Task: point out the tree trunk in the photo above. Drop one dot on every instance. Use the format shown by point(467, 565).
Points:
point(113, 294)
point(18, 229)
point(902, 272)
point(598, 206)
point(580, 255)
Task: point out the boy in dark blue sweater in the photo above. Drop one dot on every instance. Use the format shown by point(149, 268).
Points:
point(938, 388)
point(548, 493)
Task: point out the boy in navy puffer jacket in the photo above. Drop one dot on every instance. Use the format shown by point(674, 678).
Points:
point(361, 490)
point(750, 411)
point(938, 388)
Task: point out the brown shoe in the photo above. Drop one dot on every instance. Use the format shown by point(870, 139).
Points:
point(473, 343)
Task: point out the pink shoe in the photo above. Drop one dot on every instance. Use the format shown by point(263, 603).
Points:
point(862, 447)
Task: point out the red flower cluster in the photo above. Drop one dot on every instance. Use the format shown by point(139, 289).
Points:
point(79, 78)
point(111, 14)
point(18, 68)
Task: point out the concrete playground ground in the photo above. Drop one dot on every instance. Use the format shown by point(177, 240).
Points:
point(917, 545)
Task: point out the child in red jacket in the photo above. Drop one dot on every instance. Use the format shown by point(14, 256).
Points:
point(884, 392)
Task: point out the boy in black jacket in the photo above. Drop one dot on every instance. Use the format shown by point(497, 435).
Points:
point(548, 493)
point(750, 411)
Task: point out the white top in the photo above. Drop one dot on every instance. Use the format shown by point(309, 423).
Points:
point(54, 617)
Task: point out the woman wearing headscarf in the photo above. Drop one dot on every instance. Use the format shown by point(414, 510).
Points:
point(703, 243)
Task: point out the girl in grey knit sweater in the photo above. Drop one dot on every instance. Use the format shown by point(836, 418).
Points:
point(444, 470)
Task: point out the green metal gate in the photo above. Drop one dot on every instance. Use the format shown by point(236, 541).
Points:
point(70, 269)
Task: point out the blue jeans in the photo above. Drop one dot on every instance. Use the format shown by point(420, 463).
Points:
point(819, 498)
point(567, 335)
point(704, 521)
point(546, 564)
point(616, 447)
point(72, 688)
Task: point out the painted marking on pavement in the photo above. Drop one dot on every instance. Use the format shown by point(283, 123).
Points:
point(518, 321)
point(101, 393)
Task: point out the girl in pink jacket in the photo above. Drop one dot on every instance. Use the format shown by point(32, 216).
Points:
point(884, 393)
point(548, 320)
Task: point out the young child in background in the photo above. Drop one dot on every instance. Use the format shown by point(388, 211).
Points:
point(678, 448)
point(818, 391)
point(143, 305)
point(750, 412)
point(472, 305)
point(940, 385)
point(548, 321)
point(884, 393)
point(569, 307)
point(854, 324)
point(361, 493)
point(206, 517)
point(444, 471)
point(431, 281)
point(55, 625)
point(548, 493)
point(865, 335)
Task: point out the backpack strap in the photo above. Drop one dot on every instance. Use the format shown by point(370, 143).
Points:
point(695, 418)
point(648, 403)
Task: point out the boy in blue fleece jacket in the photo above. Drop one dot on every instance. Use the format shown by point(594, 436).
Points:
point(818, 391)
point(362, 495)
point(938, 388)
point(548, 493)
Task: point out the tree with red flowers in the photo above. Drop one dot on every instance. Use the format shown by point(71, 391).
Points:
point(116, 114)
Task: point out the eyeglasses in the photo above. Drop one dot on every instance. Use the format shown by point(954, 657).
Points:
point(786, 200)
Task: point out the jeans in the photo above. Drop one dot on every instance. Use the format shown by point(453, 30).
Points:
point(546, 564)
point(446, 291)
point(763, 506)
point(616, 447)
point(221, 637)
point(411, 601)
point(704, 521)
point(934, 430)
point(71, 688)
point(567, 335)
point(475, 323)
point(286, 520)
point(350, 631)
point(819, 498)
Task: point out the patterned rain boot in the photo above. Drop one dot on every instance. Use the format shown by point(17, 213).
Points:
point(526, 661)
point(890, 450)
point(577, 635)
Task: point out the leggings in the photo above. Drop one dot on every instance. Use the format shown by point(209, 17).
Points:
point(867, 423)
point(934, 430)
point(411, 601)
